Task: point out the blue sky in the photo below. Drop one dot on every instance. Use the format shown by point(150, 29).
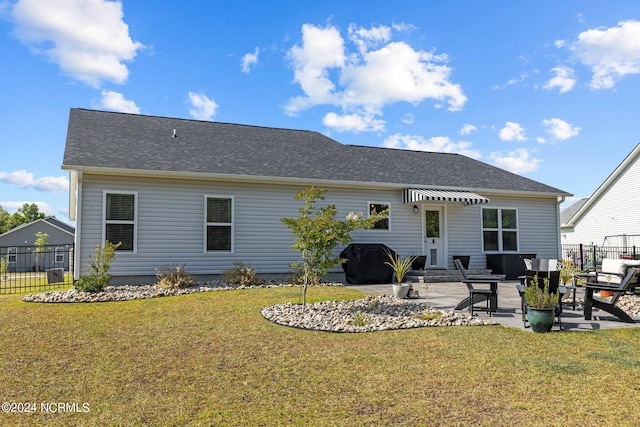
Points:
point(545, 89)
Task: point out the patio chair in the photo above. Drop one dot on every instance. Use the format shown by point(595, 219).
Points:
point(476, 295)
point(554, 287)
point(541, 264)
point(606, 304)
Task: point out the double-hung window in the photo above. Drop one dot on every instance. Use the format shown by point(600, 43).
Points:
point(219, 223)
point(12, 254)
point(59, 253)
point(499, 230)
point(376, 208)
point(120, 215)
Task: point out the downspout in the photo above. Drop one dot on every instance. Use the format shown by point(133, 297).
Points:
point(77, 239)
point(558, 221)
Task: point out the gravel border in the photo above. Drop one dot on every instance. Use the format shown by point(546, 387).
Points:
point(133, 292)
point(364, 315)
point(370, 314)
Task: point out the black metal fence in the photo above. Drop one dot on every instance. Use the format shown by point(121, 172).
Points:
point(31, 268)
point(589, 256)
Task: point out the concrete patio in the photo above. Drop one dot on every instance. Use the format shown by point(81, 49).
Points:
point(447, 295)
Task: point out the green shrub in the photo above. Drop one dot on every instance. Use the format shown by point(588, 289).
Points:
point(92, 283)
point(99, 265)
point(174, 277)
point(360, 319)
point(241, 274)
point(537, 297)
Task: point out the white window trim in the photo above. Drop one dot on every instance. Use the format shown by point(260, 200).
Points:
point(135, 218)
point(232, 224)
point(500, 230)
point(369, 203)
point(59, 251)
point(12, 252)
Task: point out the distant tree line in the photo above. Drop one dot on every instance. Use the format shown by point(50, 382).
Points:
point(29, 212)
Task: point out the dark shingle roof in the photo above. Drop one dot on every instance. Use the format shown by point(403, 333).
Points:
point(570, 211)
point(63, 225)
point(98, 139)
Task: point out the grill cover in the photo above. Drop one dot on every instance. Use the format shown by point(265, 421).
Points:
point(366, 263)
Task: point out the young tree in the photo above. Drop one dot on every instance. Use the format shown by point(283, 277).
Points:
point(318, 233)
point(4, 220)
point(29, 212)
point(41, 246)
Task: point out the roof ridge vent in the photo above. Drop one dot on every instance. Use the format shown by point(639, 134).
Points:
point(175, 135)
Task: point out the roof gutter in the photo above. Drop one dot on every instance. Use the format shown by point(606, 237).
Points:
point(294, 180)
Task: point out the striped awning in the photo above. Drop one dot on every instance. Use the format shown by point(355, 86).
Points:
point(412, 195)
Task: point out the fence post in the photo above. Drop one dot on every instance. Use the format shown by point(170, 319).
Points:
point(581, 258)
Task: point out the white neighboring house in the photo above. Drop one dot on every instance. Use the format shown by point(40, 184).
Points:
point(206, 194)
point(611, 215)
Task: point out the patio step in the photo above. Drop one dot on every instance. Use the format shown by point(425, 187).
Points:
point(440, 276)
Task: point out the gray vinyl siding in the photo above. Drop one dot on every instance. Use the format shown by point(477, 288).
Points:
point(171, 230)
point(537, 228)
point(170, 223)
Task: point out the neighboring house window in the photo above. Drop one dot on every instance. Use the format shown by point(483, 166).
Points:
point(120, 219)
point(11, 255)
point(499, 230)
point(219, 223)
point(59, 254)
point(375, 208)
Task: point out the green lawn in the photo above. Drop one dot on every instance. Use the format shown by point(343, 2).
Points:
point(31, 282)
point(211, 359)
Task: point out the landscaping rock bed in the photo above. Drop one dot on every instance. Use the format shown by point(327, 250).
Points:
point(133, 292)
point(366, 315)
point(371, 313)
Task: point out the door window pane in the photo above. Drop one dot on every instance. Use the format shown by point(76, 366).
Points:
point(433, 223)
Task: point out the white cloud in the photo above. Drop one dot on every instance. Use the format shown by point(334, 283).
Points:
point(115, 101)
point(353, 122)
point(24, 179)
point(611, 53)
point(560, 129)
point(88, 39)
point(202, 108)
point(13, 206)
point(564, 79)
point(367, 39)
point(518, 161)
point(441, 144)
point(377, 73)
point(512, 132)
point(467, 129)
point(408, 119)
point(322, 49)
point(522, 77)
point(248, 60)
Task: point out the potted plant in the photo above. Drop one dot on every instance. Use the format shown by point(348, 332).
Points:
point(541, 305)
point(567, 272)
point(400, 268)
